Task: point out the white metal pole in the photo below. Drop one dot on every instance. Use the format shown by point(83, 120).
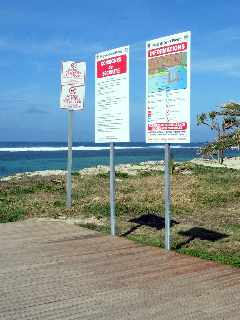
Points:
point(167, 187)
point(69, 163)
point(112, 190)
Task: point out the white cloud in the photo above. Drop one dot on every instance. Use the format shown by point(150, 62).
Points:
point(225, 65)
point(28, 99)
point(219, 53)
point(38, 110)
point(49, 46)
point(226, 35)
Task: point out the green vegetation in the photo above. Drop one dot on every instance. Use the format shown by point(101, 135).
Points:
point(225, 258)
point(225, 122)
point(11, 214)
point(205, 207)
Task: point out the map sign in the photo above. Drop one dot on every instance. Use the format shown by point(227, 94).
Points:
point(73, 85)
point(112, 96)
point(168, 89)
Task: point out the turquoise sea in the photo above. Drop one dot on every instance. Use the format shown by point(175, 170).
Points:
point(17, 157)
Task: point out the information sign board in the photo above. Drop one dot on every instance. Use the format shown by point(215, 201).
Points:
point(168, 89)
point(112, 96)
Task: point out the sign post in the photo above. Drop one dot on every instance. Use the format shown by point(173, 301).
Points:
point(168, 101)
point(69, 163)
point(72, 99)
point(167, 195)
point(112, 190)
point(112, 107)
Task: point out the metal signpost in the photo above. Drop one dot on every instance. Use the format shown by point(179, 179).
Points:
point(112, 190)
point(69, 163)
point(167, 196)
point(168, 101)
point(72, 98)
point(112, 108)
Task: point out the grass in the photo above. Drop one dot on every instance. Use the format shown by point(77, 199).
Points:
point(205, 207)
point(12, 214)
point(224, 258)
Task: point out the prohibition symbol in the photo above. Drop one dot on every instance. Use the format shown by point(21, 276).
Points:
point(72, 90)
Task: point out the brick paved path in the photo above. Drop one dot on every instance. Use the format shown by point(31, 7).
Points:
point(51, 270)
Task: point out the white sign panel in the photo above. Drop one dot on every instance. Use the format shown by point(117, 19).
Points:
point(112, 96)
point(72, 97)
point(73, 85)
point(73, 72)
point(168, 89)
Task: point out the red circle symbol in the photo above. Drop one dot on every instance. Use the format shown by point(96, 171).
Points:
point(72, 90)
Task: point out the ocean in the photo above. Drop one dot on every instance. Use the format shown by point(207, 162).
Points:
point(18, 157)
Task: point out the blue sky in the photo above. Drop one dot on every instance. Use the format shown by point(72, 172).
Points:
point(36, 35)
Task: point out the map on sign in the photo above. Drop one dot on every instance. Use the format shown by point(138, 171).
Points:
point(168, 89)
point(168, 72)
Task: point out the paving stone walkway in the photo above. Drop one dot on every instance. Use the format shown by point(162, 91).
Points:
point(52, 270)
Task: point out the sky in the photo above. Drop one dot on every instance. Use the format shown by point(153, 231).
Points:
point(35, 36)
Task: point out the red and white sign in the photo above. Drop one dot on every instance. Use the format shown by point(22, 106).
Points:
point(112, 66)
point(73, 85)
point(112, 96)
point(167, 126)
point(73, 72)
point(168, 89)
point(182, 46)
point(72, 97)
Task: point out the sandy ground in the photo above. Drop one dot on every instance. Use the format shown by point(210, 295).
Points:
point(35, 173)
point(131, 169)
point(233, 163)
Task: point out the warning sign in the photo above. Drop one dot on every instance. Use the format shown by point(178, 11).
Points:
point(72, 97)
point(73, 72)
point(73, 85)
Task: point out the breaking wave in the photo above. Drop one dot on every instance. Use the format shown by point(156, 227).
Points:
point(86, 148)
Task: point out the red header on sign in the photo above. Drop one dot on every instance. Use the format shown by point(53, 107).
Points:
point(173, 48)
point(168, 126)
point(112, 66)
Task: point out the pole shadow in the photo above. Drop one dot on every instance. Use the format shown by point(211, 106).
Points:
point(201, 234)
point(150, 220)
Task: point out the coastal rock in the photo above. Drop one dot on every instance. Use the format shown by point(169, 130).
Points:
point(42, 173)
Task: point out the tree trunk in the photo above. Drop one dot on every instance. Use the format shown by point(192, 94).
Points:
point(219, 151)
point(218, 156)
point(221, 156)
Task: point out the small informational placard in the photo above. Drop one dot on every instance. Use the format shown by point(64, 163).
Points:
point(72, 97)
point(73, 72)
point(168, 89)
point(73, 85)
point(112, 96)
